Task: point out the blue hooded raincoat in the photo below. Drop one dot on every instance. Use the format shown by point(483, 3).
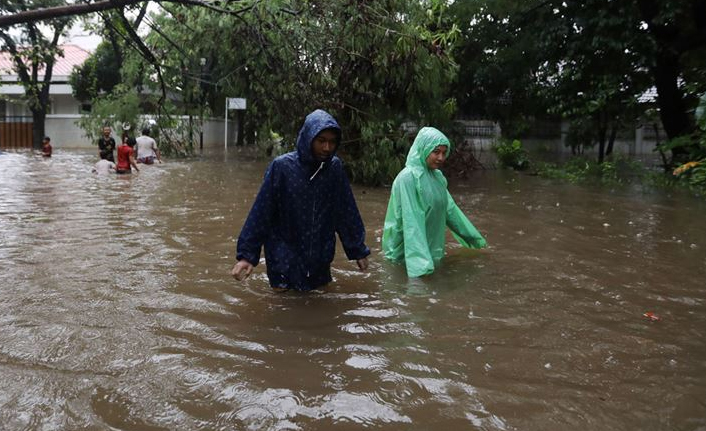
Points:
point(301, 204)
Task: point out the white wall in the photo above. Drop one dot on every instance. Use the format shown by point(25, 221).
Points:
point(64, 133)
point(64, 104)
point(60, 104)
point(214, 133)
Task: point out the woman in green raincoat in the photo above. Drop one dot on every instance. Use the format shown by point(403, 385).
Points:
point(421, 208)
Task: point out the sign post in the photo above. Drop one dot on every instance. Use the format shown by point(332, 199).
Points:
point(233, 103)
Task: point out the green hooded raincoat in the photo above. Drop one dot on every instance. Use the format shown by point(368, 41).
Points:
point(421, 208)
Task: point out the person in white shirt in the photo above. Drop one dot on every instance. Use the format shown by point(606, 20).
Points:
point(103, 166)
point(147, 149)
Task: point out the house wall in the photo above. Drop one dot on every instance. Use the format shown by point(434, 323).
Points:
point(15, 108)
point(640, 146)
point(62, 104)
point(214, 133)
point(548, 142)
point(65, 133)
point(480, 136)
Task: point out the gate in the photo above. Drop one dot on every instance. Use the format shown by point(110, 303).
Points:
point(15, 132)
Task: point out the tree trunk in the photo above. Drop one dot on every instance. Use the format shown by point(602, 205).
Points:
point(39, 111)
point(602, 129)
point(241, 129)
point(671, 41)
point(611, 140)
point(672, 109)
point(191, 131)
point(38, 127)
point(665, 163)
point(601, 148)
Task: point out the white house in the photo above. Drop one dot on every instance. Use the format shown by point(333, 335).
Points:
point(63, 110)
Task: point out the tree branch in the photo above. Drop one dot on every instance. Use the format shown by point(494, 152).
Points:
point(86, 8)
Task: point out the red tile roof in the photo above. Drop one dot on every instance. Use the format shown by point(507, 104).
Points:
point(73, 56)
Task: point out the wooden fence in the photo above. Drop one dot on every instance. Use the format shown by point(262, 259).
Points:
point(15, 132)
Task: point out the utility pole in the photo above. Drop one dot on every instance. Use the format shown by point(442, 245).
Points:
point(202, 61)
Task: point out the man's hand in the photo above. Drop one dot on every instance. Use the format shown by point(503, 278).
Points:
point(241, 270)
point(362, 263)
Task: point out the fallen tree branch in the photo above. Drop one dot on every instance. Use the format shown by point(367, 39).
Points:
point(86, 8)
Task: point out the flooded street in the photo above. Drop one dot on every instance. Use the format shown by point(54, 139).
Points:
point(117, 310)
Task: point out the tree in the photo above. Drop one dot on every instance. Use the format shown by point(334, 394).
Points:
point(499, 58)
point(594, 74)
point(100, 73)
point(368, 63)
point(43, 12)
point(373, 64)
point(33, 53)
point(585, 60)
point(677, 29)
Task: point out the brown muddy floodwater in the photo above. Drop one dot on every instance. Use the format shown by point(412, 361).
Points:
point(117, 311)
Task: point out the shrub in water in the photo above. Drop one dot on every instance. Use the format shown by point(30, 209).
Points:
point(511, 154)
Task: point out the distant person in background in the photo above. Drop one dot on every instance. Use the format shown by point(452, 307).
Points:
point(421, 208)
point(103, 166)
point(126, 156)
point(46, 147)
point(147, 150)
point(106, 144)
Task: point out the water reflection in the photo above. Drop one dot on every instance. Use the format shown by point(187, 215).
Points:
point(118, 312)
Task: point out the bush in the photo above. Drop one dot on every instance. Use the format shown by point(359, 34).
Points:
point(693, 172)
point(379, 155)
point(112, 110)
point(619, 170)
point(511, 154)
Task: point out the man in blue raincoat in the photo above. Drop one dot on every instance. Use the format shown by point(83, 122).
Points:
point(304, 200)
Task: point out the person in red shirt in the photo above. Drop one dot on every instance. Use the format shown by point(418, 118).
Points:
point(46, 147)
point(126, 156)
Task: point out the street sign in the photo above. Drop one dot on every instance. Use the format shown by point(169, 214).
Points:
point(236, 103)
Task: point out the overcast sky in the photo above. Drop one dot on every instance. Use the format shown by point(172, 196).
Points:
point(79, 36)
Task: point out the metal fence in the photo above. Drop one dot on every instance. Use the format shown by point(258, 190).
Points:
point(15, 132)
point(473, 130)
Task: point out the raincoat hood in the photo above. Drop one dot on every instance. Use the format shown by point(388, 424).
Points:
point(427, 139)
point(313, 125)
